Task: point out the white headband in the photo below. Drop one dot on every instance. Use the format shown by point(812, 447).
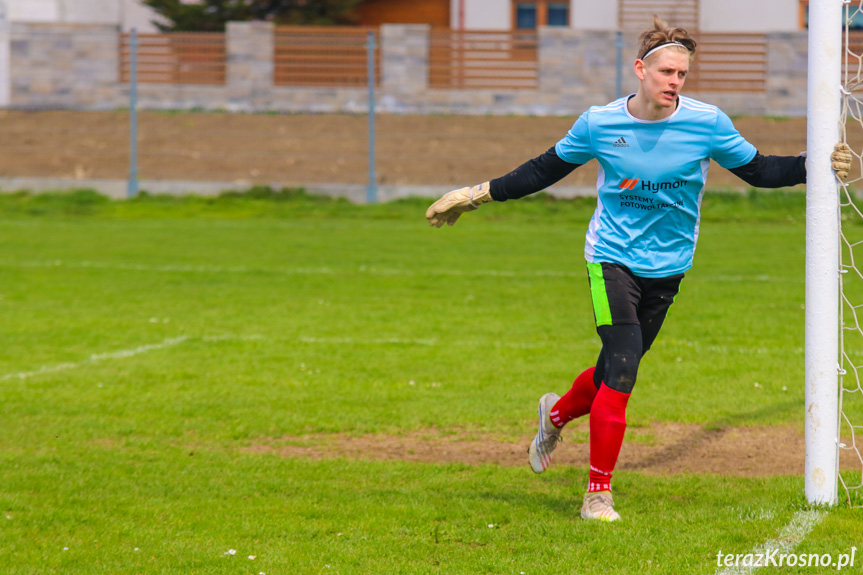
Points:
point(661, 46)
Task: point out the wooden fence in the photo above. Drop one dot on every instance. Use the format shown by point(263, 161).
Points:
point(176, 58)
point(510, 60)
point(324, 57)
point(729, 63)
point(460, 60)
point(634, 16)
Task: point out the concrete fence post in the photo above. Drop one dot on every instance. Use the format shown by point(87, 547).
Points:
point(561, 62)
point(5, 63)
point(787, 61)
point(404, 62)
point(249, 77)
point(578, 67)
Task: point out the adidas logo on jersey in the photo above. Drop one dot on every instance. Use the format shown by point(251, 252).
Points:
point(621, 143)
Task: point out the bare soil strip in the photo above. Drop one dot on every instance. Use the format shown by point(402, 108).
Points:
point(301, 149)
point(659, 449)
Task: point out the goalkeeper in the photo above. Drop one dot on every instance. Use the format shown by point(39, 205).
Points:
point(654, 148)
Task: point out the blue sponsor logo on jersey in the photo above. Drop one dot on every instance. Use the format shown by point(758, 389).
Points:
point(654, 187)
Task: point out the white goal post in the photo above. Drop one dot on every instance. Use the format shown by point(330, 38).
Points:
point(826, 18)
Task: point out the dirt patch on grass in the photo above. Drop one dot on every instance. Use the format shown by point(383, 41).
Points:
point(661, 448)
point(311, 149)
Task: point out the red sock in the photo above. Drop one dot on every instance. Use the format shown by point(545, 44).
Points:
point(576, 402)
point(607, 425)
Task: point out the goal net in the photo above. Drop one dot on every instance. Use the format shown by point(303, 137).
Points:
point(851, 262)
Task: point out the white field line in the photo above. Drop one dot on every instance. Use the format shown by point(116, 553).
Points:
point(121, 354)
point(801, 524)
point(96, 357)
point(368, 341)
point(366, 270)
point(229, 337)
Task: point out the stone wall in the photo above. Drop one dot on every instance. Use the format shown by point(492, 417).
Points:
point(250, 65)
point(77, 66)
point(64, 65)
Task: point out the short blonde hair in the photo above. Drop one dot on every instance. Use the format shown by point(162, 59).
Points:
point(664, 34)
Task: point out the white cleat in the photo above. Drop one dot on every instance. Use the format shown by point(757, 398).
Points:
point(599, 505)
point(543, 445)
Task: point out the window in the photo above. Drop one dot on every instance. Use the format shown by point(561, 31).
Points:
point(558, 14)
point(528, 14)
point(525, 16)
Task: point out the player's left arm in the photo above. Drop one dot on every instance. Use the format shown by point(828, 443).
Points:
point(772, 171)
point(780, 171)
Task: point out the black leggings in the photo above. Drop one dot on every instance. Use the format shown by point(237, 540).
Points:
point(638, 307)
point(623, 346)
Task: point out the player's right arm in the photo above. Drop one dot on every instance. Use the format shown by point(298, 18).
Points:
point(533, 176)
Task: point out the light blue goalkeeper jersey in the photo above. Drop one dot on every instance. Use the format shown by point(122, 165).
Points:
point(651, 180)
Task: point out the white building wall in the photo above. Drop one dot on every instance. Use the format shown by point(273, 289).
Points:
point(481, 14)
point(456, 10)
point(749, 16)
point(125, 13)
point(497, 14)
point(715, 15)
point(33, 10)
point(91, 11)
point(593, 15)
point(133, 14)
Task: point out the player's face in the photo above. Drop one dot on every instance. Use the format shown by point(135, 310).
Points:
point(663, 75)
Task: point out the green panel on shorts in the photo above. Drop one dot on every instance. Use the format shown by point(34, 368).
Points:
point(601, 309)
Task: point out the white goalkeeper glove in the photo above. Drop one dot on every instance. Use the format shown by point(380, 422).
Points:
point(841, 157)
point(453, 204)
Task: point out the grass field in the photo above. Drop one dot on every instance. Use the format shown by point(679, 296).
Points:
point(151, 347)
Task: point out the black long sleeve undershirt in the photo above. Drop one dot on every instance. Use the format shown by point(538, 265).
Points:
point(547, 169)
point(531, 177)
point(773, 171)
